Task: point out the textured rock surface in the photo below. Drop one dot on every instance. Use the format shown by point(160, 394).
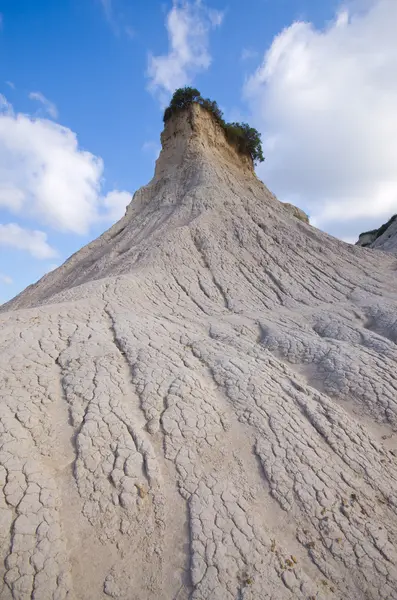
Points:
point(202, 402)
point(297, 212)
point(384, 238)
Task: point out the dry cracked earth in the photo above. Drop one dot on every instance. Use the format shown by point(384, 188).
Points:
point(201, 404)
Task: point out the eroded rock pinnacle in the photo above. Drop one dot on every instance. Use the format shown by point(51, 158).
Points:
point(202, 402)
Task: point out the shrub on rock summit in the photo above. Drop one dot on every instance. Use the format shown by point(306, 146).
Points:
point(246, 139)
point(182, 98)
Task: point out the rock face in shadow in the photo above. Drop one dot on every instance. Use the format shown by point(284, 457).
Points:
point(384, 238)
point(202, 403)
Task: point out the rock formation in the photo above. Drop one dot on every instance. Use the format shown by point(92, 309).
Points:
point(202, 403)
point(384, 238)
point(297, 212)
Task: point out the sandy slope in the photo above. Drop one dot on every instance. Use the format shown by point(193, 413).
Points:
point(202, 402)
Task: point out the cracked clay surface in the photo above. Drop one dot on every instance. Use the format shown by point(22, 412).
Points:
point(202, 403)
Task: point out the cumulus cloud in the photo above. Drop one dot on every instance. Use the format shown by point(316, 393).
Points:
point(115, 203)
point(44, 174)
point(188, 25)
point(325, 101)
point(33, 241)
point(49, 106)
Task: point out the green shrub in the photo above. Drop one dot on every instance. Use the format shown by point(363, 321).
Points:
point(246, 139)
point(182, 98)
point(212, 107)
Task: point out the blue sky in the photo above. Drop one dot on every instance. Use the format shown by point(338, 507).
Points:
point(83, 83)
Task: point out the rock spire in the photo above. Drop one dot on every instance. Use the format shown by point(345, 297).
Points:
point(201, 404)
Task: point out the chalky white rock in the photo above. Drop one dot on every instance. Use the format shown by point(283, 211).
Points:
point(202, 403)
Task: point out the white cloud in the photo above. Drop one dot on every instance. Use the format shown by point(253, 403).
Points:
point(33, 241)
point(215, 16)
point(115, 203)
point(45, 175)
point(116, 20)
point(247, 54)
point(188, 25)
point(11, 84)
point(325, 101)
point(107, 8)
point(6, 279)
point(5, 106)
point(108, 11)
point(49, 106)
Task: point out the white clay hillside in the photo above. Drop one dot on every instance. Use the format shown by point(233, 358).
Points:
point(202, 403)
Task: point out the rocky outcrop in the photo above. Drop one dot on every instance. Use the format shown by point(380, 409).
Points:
point(384, 238)
point(296, 212)
point(201, 403)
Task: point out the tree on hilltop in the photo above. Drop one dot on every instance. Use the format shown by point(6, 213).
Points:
point(246, 139)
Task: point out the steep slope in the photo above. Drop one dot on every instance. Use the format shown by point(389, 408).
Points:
point(384, 238)
point(202, 402)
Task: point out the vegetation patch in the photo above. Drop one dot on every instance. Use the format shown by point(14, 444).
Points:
point(246, 139)
point(381, 229)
